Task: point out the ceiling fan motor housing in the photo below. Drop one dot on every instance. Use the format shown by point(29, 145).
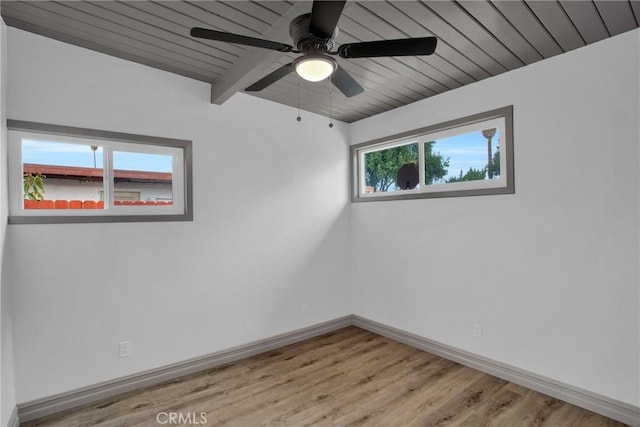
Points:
point(314, 37)
point(307, 42)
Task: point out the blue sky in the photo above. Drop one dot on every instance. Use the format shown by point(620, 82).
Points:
point(465, 151)
point(64, 154)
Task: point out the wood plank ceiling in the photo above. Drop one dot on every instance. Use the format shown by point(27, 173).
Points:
point(476, 39)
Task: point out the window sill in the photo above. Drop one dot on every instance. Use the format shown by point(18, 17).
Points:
point(72, 219)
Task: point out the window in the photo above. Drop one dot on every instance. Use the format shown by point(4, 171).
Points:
point(65, 174)
point(465, 157)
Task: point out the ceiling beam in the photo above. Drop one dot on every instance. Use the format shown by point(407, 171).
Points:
point(249, 67)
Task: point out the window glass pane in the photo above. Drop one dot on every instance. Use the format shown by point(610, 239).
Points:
point(142, 179)
point(471, 156)
point(391, 169)
point(61, 175)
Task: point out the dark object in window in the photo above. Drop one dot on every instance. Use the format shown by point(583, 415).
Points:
point(408, 176)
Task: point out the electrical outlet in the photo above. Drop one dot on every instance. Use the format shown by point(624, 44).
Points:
point(125, 349)
point(477, 330)
point(305, 308)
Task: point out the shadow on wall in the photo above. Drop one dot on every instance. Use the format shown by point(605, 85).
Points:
point(6, 337)
point(308, 279)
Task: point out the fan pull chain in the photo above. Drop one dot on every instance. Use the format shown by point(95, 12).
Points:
point(298, 118)
point(330, 106)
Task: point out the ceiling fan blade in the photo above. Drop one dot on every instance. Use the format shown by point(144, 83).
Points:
point(269, 79)
point(399, 47)
point(324, 17)
point(347, 84)
point(204, 33)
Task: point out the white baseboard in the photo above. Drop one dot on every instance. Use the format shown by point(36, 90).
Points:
point(611, 408)
point(49, 405)
point(603, 405)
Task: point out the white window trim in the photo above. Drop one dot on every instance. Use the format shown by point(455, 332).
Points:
point(180, 150)
point(501, 118)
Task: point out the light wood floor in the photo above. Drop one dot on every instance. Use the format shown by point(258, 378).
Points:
point(350, 377)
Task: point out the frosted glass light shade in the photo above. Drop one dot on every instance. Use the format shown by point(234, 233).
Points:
point(315, 68)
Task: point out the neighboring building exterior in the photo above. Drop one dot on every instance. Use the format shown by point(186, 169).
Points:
point(81, 183)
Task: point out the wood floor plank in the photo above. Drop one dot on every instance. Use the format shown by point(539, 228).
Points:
point(349, 377)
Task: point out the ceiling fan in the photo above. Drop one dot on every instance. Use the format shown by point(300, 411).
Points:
point(314, 37)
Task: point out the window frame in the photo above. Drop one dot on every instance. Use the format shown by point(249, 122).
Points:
point(180, 150)
point(426, 134)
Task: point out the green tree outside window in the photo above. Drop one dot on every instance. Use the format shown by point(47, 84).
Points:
point(381, 167)
point(33, 185)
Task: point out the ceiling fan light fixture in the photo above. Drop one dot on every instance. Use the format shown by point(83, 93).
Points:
point(314, 68)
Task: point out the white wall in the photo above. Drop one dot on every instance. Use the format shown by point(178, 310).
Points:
point(270, 230)
point(7, 387)
point(551, 272)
